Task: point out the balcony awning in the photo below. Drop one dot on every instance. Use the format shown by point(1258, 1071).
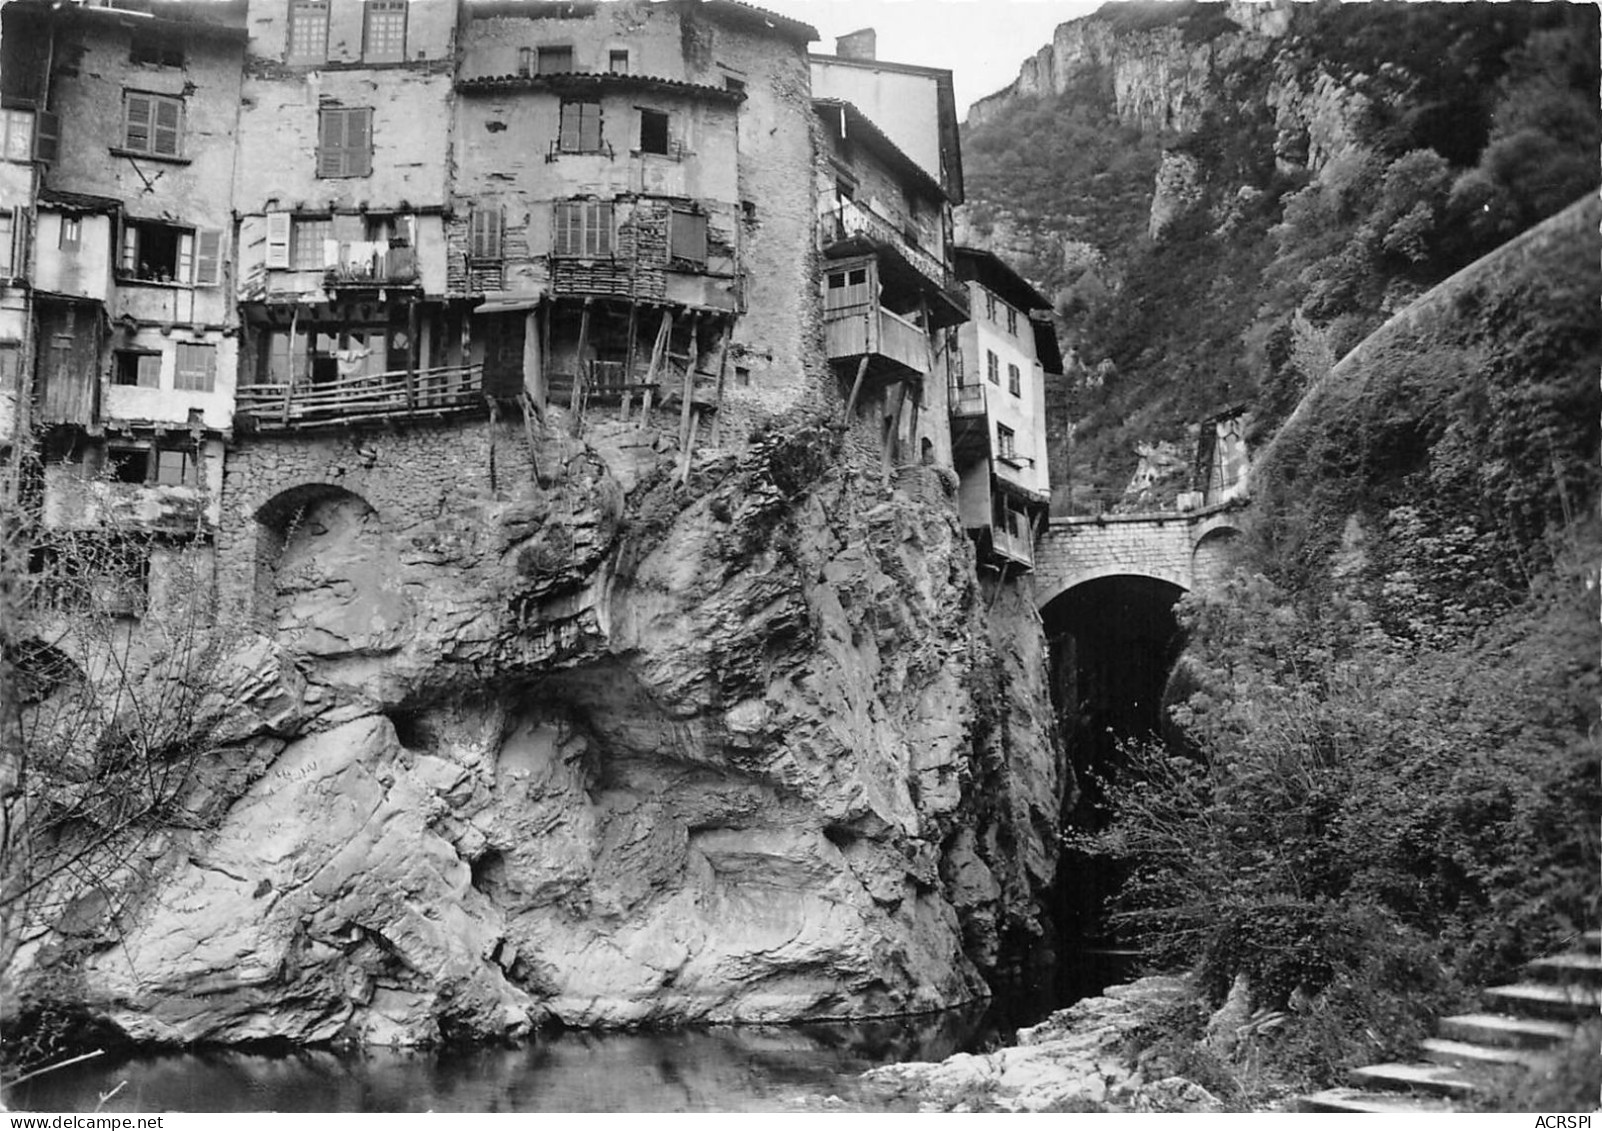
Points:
point(508, 305)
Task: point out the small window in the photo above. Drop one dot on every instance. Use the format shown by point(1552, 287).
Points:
point(177, 467)
point(617, 61)
point(155, 53)
point(1014, 380)
point(992, 367)
point(653, 131)
point(742, 376)
point(484, 233)
point(384, 32)
point(129, 465)
point(1012, 320)
point(10, 365)
point(8, 239)
point(308, 31)
point(71, 233)
point(152, 124)
point(581, 127)
point(990, 307)
point(197, 368)
point(344, 141)
point(1006, 438)
point(735, 85)
point(553, 60)
point(687, 237)
point(138, 368)
point(306, 251)
point(583, 229)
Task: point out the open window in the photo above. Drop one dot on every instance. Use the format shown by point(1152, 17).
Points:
point(137, 368)
point(1014, 380)
point(152, 51)
point(654, 131)
point(1006, 443)
point(177, 467)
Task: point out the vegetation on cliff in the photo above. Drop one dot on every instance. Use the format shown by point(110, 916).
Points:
point(1340, 170)
point(1387, 787)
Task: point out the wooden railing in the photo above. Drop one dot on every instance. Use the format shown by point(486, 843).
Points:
point(367, 264)
point(854, 219)
point(965, 400)
point(376, 396)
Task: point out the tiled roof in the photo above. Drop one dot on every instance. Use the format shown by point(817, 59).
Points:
point(77, 201)
point(571, 80)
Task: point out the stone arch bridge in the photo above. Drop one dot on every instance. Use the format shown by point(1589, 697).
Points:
point(1185, 548)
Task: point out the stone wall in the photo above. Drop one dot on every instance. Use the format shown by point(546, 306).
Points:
point(1187, 549)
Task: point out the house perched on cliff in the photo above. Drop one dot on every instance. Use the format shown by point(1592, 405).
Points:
point(888, 174)
point(238, 230)
point(998, 409)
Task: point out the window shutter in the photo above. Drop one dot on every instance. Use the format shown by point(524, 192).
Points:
point(485, 235)
point(331, 144)
point(689, 237)
point(208, 258)
point(166, 132)
point(568, 141)
point(184, 269)
point(136, 125)
point(130, 249)
point(47, 136)
point(358, 143)
point(278, 240)
point(601, 230)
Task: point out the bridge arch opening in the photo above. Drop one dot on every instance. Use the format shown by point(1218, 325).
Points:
point(1114, 641)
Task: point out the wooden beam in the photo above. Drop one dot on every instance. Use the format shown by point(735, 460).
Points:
point(663, 333)
point(689, 382)
point(411, 353)
point(689, 447)
point(856, 389)
point(575, 404)
point(289, 387)
point(892, 430)
point(723, 368)
point(628, 358)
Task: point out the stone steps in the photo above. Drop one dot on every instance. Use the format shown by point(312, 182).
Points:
point(1533, 999)
point(1501, 1031)
point(1439, 1050)
point(1373, 1103)
point(1532, 1020)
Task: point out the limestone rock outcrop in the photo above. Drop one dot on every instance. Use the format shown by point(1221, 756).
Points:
point(596, 748)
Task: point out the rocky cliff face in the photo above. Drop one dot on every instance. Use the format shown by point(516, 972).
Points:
point(602, 750)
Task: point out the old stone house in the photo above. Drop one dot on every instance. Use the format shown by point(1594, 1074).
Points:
point(239, 236)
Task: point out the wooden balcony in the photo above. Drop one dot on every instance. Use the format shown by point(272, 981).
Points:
point(869, 329)
point(425, 394)
point(965, 400)
point(370, 264)
point(1011, 546)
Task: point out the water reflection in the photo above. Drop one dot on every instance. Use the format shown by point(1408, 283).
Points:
point(734, 1068)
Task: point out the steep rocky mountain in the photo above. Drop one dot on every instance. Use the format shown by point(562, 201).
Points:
point(1224, 199)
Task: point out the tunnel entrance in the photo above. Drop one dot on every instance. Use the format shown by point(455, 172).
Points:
point(1114, 641)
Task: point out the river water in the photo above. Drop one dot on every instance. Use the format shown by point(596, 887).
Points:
point(725, 1068)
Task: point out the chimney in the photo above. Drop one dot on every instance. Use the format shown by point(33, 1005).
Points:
point(858, 45)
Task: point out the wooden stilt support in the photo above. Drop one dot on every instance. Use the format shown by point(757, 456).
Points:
point(547, 316)
point(628, 359)
point(856, 390)
point(688, 392)
point(575, 397)
point(723, 369)
point(289, 386)
point(411, 354)
point(892, 428)
point(664, 334)
point(689, 447)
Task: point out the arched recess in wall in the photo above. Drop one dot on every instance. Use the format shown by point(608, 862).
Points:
point(326, 574)
point(1213, 556)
